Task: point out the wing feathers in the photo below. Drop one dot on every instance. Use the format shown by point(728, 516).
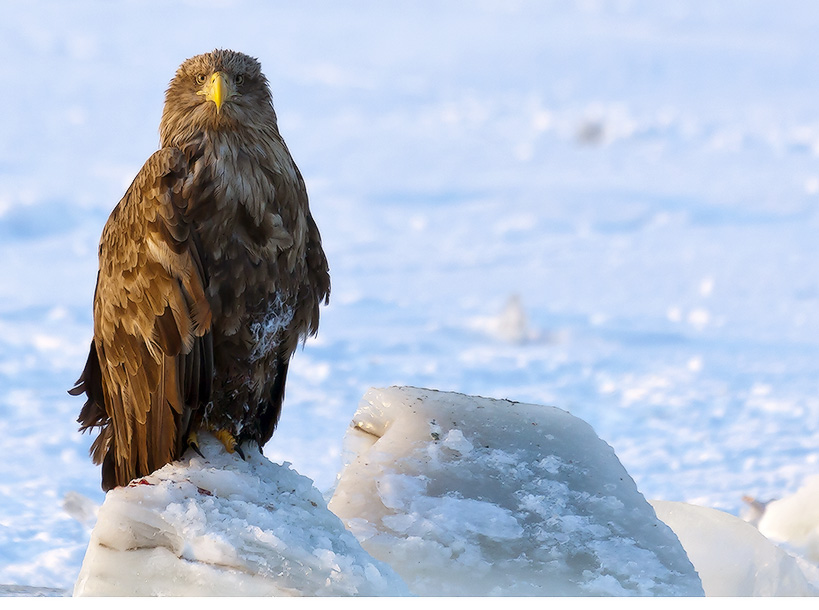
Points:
point(151, 362)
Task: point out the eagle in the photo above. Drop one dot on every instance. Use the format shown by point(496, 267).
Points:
point(211, 272)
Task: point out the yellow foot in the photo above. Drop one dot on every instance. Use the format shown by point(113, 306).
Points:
point(229, 441)
point(193, 443)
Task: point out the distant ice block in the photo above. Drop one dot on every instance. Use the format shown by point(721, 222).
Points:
point(732, 558)
point(226, 527)
point(510, 325)
point(464, 495)
point(794, 520)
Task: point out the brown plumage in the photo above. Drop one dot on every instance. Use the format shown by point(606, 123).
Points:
point(211, 272)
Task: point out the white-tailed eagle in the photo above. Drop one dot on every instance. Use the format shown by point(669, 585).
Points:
point(211, 271)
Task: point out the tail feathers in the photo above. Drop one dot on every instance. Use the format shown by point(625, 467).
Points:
point(269, 418)
point(90, 382)
point(138, 448)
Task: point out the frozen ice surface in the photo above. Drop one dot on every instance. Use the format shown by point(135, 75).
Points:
point(465, 495)
point(731, 556)
point(226, 527)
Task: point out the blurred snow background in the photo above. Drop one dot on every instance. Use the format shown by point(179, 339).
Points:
point(608, 206)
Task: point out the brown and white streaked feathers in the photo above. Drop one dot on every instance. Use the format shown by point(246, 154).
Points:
point(211, 272)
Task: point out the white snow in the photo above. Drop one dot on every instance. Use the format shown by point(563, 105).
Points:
point(642, 176)
point(266, 332)
point(228, 527)
point(465, 495)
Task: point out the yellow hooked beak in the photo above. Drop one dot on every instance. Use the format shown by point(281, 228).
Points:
point(217, 90)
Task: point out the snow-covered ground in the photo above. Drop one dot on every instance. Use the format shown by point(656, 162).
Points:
point(608, 206)
point(452, 495)
point(217, 525)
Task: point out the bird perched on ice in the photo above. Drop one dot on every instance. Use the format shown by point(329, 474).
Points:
point(211, 271)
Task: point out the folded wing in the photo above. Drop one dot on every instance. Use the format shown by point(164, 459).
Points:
point(151, 363)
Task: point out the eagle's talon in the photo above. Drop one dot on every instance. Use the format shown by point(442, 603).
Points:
point(193, 443)
point(229, 441)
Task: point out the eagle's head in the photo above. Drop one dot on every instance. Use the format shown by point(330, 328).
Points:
point(216, 91)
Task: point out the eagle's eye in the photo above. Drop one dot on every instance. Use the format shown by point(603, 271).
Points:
point(240, 78)
point(200, 79)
